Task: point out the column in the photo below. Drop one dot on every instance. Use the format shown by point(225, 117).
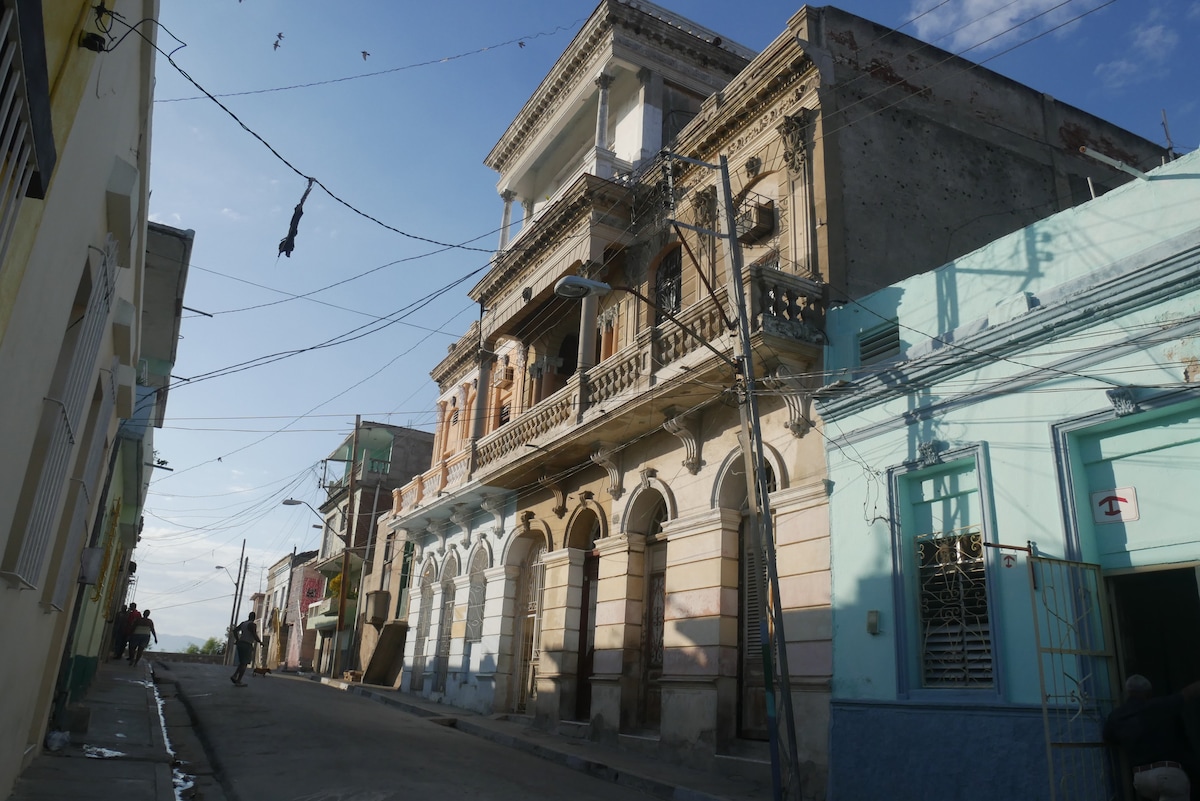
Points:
point(700, 640)
point(506, 217)
point(459, 678)
point(652, 112)
point(559, 662)
point(620, 595)
point(603, 82)
point(587, 333)
point(494, 663)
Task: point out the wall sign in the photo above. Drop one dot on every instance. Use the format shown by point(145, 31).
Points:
point(1115, 505)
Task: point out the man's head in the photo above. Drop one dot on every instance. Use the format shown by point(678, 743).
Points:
point(251, 616)
point(1138, 686)
point(133, 607)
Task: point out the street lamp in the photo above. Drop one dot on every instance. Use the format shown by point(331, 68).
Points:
point(343, 576)
point(784, 757)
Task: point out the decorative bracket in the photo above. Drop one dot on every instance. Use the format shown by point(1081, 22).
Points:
point(608, 456)
point(461, 517)
point(524, 519)
point(797, 394)
point(560, 497)
point(927, 453)
point(687, 430)
point(438, 529)
point(794, 133)
point(647, 473)
point(1122, 401)
point(494, 505)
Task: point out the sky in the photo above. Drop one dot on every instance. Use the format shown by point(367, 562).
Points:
point(392, 106)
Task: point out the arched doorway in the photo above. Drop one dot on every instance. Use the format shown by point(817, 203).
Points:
point(527, 625)
point(752, 721)
point(585, 530)
point(445, 623)
point(416, 681)
point(647, 515)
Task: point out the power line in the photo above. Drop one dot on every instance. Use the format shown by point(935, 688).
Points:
point(519, 41)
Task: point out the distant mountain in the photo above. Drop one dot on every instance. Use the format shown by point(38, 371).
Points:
point(175, 643)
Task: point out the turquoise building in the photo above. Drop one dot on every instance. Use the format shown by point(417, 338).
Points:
point(1014, 452)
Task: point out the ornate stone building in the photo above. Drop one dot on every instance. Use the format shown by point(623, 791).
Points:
point(576, 552)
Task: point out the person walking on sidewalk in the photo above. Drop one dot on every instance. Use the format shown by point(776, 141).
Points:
point(139, 637)
point(246, 635)
point(120, 631)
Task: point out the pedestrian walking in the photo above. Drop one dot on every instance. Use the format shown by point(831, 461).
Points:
point(120, 631)
point(1151, 733)
point(131, 619)
point(140, 636)
point(246, 635)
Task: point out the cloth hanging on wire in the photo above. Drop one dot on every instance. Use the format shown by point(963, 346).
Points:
point(288, 243)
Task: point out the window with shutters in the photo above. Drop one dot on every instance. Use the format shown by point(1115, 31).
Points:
point(668, 285)
point(943, 571)
point(879, 344)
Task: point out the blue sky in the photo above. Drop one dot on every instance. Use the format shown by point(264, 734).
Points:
point(406, 147)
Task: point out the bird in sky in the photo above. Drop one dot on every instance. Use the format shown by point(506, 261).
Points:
point(365, 54)
point(276, 45)
point(520, 44)
point(278, 39)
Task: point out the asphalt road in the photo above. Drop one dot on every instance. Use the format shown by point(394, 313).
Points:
point(290, 739)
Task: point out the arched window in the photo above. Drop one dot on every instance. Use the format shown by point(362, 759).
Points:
point(668, 285)
point(476, 596)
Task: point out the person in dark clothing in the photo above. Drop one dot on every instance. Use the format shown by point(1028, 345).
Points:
point(246, 635)
point(120, 631)
point(1150, 732)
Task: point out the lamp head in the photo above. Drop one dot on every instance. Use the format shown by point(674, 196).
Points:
point(575, 286)
point(291, 502)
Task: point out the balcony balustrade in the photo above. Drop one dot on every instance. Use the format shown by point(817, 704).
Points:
point(783, 307)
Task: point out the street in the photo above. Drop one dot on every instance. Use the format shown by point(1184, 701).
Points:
point(284, 738)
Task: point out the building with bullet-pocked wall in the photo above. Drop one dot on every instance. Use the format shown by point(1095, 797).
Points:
point(577, 551)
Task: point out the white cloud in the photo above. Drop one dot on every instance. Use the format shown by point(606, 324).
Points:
point(983, 26)
point(1152, 45)
point(1155, 42)
point(173, 218)
point(230, 214)
point(1118, 74)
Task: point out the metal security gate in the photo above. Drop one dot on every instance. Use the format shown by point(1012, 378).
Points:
point(529, 613)
point(1077, 670)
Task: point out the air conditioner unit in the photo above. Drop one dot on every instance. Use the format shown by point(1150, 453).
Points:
point(503, 378)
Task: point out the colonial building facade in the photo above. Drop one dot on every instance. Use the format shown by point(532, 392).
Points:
point(577, 552)
point(1011, 533)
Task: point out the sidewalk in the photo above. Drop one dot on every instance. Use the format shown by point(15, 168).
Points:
point(746, 780)
point(122, 755)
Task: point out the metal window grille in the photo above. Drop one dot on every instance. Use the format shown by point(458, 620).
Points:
point(476, 596)
point(445, 631)
point(668, 285)
point(89, 482)
point(417, 680)
point(531, 630)
point(956, 635)
point(62, 440)
point(16, 129)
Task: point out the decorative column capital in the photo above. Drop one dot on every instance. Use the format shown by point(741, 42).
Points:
point(603, 81)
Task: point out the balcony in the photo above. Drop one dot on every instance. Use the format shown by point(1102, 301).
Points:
point(635, 390)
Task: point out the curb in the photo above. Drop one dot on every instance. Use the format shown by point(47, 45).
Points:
point(592, 767)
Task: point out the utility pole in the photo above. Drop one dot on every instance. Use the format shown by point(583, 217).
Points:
point(785, 762)
point(234, 610)
point(347, 545)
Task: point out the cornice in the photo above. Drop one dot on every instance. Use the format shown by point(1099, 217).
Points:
point(1121, 289)
point(588, 194)
point(461, 357)
point(781, 74)
point(589, 45)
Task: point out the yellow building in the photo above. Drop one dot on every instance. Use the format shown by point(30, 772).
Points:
point(85, 331)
